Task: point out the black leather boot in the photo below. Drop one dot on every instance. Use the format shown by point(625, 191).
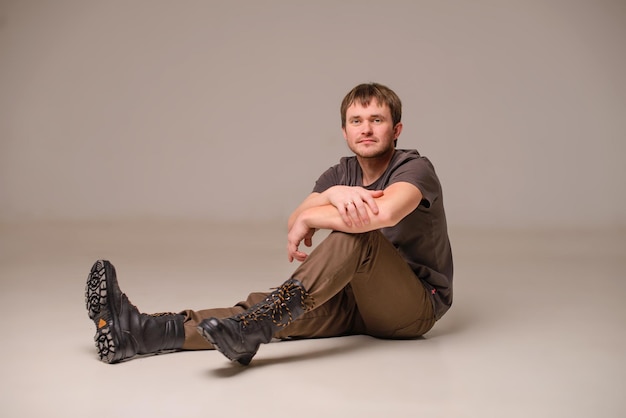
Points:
point(121, 330)
point(240, 336)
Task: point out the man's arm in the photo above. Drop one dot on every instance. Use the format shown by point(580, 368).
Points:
point(397, 201)
point(312, 200)
point(350, 202)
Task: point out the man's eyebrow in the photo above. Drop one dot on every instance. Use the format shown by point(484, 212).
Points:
point(375, 115)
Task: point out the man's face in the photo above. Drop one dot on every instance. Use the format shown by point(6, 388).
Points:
point(369, 131)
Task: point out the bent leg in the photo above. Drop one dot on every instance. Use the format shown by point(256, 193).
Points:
point(338, 316)
point(357, 284)
point(390, 299)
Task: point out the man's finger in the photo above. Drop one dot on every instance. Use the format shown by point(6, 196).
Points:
point(371, 202)
point(353, 213)
point(345, 215)
point(362, 212)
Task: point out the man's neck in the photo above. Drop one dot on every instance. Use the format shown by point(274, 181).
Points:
point(373, 168)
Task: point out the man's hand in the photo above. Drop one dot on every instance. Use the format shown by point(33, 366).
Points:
point(299, 232)
point(351, 203)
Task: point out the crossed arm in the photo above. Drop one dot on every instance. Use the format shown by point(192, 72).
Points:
point(349, 209)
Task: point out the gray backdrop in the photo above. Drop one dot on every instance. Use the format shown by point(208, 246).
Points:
point(230, 110)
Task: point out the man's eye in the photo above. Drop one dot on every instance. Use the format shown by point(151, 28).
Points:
point(355, 121)
point(377, 120)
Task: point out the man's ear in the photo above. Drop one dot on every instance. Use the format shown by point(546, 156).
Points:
point(397, 130)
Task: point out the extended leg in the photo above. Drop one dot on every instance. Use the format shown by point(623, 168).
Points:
point(338, 316)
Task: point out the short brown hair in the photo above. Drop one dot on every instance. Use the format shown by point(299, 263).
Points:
point(364, 93)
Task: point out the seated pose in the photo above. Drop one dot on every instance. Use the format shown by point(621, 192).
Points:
point(385, 270)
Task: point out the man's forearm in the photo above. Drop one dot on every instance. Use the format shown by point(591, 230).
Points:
point(327, 217)
point(323, 211)
point(313, 200)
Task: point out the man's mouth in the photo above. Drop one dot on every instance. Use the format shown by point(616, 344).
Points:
point(367, 141)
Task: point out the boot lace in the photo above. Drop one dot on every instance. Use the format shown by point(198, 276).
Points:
point(276, 305)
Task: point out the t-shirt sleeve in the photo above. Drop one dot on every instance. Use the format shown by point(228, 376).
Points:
point(328, 179)
point(420, 173)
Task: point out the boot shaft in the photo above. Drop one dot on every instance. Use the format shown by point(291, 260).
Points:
point(282, 306)
point(158, 332)
point(240, 336)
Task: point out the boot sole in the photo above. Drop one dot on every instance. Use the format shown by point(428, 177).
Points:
point(205, 327)
point(97, 301)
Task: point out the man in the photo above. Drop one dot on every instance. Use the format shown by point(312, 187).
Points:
point(385, 270)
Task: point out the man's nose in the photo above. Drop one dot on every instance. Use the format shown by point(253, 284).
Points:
point(367, 127)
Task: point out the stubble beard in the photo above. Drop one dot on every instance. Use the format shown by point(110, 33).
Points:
point(373, 153)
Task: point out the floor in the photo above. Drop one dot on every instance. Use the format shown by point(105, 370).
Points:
point(537, 329)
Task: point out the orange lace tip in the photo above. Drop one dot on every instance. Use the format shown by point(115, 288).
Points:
point(101, 323)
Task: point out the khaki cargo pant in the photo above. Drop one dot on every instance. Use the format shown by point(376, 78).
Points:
point(360, 285)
